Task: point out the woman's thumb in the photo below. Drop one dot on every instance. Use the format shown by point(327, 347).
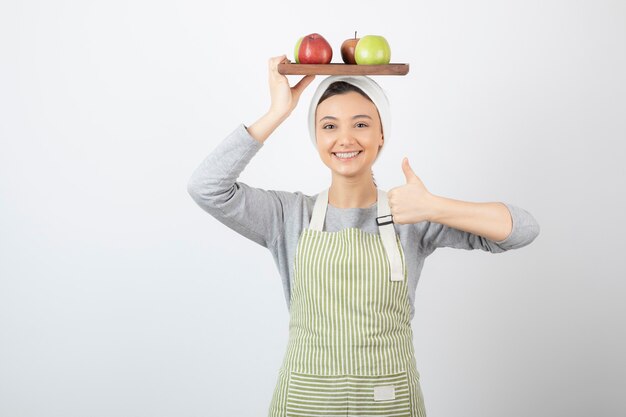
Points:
point(303, 83)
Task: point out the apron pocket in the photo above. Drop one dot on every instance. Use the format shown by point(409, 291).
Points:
point(316, 395)
point(384, 395)
point(348, 395)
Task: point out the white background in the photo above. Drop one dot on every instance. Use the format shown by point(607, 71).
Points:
point(121, 297)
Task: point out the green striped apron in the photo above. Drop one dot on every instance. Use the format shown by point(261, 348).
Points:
point(350, 349)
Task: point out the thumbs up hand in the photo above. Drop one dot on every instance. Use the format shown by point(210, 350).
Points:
point(411, 202)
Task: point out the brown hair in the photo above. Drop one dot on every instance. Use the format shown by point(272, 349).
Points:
point(341, 87)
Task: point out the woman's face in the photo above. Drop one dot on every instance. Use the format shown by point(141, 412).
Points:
point(348, 122)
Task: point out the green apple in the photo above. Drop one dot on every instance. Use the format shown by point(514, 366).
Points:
point(296, 49)
point(372, 50)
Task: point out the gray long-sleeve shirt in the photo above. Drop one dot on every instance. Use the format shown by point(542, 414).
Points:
point(275, 219)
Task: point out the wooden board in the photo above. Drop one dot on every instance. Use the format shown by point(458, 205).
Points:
point(343, 69)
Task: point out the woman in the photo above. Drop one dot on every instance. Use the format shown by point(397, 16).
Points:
point(350, 256)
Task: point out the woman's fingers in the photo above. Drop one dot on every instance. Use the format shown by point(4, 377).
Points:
point(273, 64)
point(275, 60)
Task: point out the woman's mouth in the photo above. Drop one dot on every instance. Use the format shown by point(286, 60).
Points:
point(346, 156)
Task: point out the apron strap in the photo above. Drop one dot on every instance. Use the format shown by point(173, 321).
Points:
point(385, 228)
point(388, 235)
point(319, 211)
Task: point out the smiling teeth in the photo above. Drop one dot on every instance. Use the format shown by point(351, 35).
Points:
point(347, 155)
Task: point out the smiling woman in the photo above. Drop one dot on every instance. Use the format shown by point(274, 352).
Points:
point(343, 117)
point(349, 256)
point(348, 132)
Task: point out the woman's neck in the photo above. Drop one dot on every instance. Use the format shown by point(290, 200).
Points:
point(344, 193)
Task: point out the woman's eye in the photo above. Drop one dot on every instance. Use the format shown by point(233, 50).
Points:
point(328, 126)
point(361, 124)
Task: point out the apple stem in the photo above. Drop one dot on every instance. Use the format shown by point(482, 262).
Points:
point(355, 34)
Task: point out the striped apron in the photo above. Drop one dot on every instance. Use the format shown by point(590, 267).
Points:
point(350, 349)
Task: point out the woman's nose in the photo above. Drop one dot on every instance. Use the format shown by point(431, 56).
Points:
point(345, 137)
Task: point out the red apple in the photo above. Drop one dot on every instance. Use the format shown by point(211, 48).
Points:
point(347, 50)
point(314, 49)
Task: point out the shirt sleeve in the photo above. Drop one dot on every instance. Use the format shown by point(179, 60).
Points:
point(255, 213)
point(525, 230)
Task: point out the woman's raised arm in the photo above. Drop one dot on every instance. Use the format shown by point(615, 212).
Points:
point(255, 213)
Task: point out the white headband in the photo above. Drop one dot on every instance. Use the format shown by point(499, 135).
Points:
point(369, 87)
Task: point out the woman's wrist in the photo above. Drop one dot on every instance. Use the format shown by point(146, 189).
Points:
point(277, 115)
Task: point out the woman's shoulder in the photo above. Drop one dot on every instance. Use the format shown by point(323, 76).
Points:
point(295, 201)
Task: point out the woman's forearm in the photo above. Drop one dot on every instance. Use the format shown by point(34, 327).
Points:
point(263, 128)
point(490, 220)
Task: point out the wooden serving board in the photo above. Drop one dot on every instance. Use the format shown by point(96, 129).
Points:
point(343, 69)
